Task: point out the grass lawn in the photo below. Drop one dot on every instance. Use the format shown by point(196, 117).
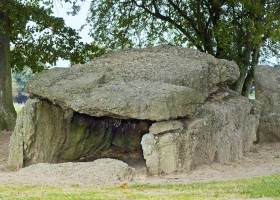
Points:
point(18, 106)
point(266, 187)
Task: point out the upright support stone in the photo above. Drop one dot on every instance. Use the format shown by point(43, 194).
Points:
point(161, 152)
point(267, 89)
point(219, 132)
point(48, 133)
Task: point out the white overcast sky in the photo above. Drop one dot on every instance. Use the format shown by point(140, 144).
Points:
point(60, 10)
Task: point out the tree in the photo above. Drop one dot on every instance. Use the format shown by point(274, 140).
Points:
point(19, 80)
point(244, 31)
point(39, 39)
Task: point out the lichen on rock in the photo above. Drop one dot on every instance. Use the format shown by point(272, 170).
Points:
point(171, 103)
point(267, 90)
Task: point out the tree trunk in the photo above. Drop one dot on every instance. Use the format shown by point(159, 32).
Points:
point(239, 83)
point(247, 84)
point(7, 110)
point(250, 77)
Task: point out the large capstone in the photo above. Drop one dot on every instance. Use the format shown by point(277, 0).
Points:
point(267, 87)
point(157, 84)
point(171, 105)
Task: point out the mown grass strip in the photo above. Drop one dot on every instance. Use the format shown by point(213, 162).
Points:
point(266, 187)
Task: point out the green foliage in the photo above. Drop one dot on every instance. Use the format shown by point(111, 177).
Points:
point(217, 27)
point(266, 187)
point(20, 79)
point(240, 30)
point(38, 38)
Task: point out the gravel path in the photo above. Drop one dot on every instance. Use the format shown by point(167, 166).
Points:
point(263, 160)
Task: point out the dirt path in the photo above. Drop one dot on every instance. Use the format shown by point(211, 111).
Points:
point(264, 160)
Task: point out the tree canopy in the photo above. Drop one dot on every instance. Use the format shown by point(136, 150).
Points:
point(244, 31)
point(38, 39)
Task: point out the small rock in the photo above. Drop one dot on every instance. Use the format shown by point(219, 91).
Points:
point(104, 171)
point(166, 126)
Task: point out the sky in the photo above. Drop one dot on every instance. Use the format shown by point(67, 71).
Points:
point(60, 10)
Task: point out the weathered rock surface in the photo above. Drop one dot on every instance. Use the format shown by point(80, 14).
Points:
point(159, 83)
point(220, 132)
point(46, 133)
point(136, 100)
point(102, 171)
point(172, 65)
point(171, 103)
point(267, 89)
point(166, 126)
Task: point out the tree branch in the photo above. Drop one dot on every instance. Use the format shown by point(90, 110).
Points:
point(169, 20)
point(182, 13)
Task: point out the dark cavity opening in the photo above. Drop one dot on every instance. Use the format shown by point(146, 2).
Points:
point(106, 137)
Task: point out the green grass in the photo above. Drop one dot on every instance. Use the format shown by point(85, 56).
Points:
point(18, 106)
point(266, 187)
